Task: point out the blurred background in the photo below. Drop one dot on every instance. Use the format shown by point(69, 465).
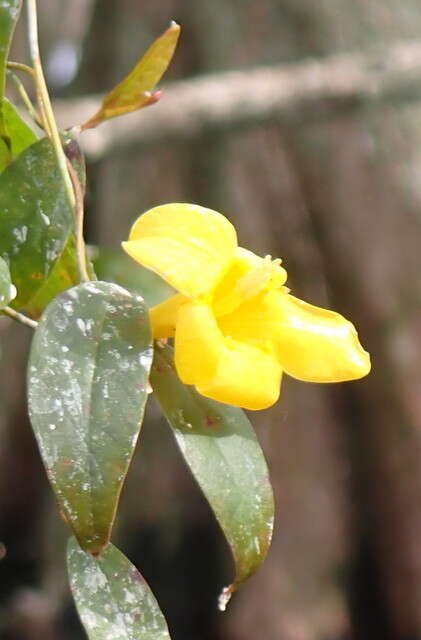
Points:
point(312, 149)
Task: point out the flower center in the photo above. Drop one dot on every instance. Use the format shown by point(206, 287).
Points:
point(266, 274)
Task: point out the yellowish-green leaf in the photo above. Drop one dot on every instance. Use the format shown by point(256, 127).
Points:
point(18, 134)
point(136, 90)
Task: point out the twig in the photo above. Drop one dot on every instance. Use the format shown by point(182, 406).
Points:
point(19, 66)
point(79, 215)
point(19, 317)
point(44, 99)
point(26, 99)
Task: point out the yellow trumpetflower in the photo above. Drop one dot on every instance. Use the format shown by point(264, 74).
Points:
point(236, 328)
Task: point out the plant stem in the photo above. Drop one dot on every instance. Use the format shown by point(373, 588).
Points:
point(79, 214)
point(26, 99)
point(44, 98)
point(19, 317)
point(19, 66)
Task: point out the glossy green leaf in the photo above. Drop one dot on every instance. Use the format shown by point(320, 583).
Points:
point(115, 266)
point(134, 92)
point(7, 290)
point(112, 598)
point(9, 14)
point(222, 451)
point(35, 218)
point(64, 273)
point(18, 133)
point(87, 381)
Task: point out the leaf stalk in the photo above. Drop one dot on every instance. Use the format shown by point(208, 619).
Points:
point(25, 99)
point(79, 216)
point(19, 317)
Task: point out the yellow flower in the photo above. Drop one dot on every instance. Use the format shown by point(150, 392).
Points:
point(236, 328)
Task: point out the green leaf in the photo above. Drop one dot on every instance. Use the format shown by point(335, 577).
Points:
point(5, 155)
point(19, 135)
point(134, 92)
point(7, 290)
point(64, 273)
point(35, 218)
point(222, 451)
point(115, 266)
point(112, 598)
point(87, 381)
point(9, 14)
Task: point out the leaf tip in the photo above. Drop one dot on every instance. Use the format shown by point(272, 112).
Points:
point(174, 26)
point(225, 596)
point(153, 98)
point(91, 123)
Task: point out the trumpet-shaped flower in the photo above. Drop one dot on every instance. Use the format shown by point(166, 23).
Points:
point(236, 328)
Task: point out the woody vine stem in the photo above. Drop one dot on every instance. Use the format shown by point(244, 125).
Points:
point(70, 180)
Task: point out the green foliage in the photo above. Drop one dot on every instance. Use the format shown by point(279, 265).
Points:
point(36, 219)
point(88, 372)
point(112, 598)
point(63, 275)
point(220, 447)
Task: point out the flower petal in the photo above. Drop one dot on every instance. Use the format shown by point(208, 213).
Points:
point(198, 343)
point(163, 316)
point(222, 368)
point(256, 322)
point(189, 246)
point(246, 377)
point(317, 345)
point(312, 344)
point(226, 295)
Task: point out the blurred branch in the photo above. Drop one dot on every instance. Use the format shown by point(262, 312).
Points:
point(290, 93)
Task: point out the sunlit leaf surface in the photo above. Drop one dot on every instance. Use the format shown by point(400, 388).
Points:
point(87, 380)
point(112, 598)
point(7, 290)
point(134, 92)
point(221, 449)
